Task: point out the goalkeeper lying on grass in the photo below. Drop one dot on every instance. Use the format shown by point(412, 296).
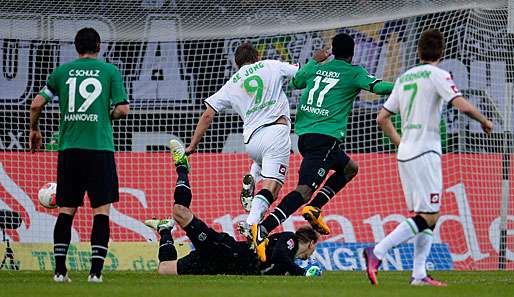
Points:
point(219, 253)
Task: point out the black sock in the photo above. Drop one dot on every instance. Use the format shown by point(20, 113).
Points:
point(182, 193)
point(333, 185)
point(167, 251)
point(99, 243)
point(322, 197)
point(182, 174)
point(289, 204)
point(62, 238)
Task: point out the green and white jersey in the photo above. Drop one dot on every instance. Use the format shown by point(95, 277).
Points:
point(255, 93)
point(327, 100)
point(87, 89)
point(418, 95)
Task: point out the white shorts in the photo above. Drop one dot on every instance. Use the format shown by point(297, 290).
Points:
point(270, 147)
point(422, 182)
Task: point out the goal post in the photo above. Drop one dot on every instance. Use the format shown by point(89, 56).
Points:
point(173, 54)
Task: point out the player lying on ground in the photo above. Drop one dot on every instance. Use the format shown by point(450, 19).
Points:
point(91, 94)
point(419, 95)
point(321, 119)
point(219, 253)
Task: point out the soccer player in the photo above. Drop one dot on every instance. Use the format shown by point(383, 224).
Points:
point(419, 95)
point(321, 119)
point(219, 253)
point(255, 93)
point(91, 94)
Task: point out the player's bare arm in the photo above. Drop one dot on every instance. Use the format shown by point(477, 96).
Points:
point(120, 111)
point(471, 111)
point(385, 123)
point(36, 108)
point(202, 126)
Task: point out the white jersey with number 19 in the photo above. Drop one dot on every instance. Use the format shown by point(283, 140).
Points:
point(255, 93)
point(418, 95)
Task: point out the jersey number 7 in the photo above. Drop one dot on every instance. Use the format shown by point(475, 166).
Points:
point(331, 82)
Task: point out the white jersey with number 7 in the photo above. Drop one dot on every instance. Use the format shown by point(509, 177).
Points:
point(418, 95)
point(255, 93)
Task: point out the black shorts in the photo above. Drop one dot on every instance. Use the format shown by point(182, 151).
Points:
point(216, 253)
point(80, 171)
point(320, 153)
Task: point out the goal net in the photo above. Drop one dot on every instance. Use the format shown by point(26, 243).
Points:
point(174, 54)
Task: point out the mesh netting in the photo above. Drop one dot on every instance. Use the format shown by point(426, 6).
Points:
point(173, 55)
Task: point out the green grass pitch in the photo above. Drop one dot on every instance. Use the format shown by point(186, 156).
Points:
point(128, 284)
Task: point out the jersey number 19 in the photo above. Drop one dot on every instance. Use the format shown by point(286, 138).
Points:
point(89, 97)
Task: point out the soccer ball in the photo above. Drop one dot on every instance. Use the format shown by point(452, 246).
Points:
point(46, 195)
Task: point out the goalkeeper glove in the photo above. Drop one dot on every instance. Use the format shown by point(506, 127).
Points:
point(313, 271)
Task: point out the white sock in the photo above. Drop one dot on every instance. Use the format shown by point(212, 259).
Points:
point(403, 232)
point(255, 171)
point(259, 207)
point(422, 245)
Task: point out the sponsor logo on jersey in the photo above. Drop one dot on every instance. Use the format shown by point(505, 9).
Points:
point(434, 198)
point(290, 244)
point(321, 172)
point(282, 170)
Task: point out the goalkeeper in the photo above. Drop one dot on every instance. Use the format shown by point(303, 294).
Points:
point(218, 252)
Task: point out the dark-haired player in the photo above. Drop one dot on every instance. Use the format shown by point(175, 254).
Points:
point(321, 119)
point(419, 95)
point(91, 94)
point(219, 253)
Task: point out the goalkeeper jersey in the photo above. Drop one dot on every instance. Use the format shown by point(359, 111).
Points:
point(87, 89)
point(255, 93)
point(419, 95)
point(330, 89)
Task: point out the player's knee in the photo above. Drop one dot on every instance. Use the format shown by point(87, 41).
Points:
point(182, 215)
point(305, 191)
point(351, 170)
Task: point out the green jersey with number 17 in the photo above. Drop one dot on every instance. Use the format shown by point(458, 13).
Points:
point(87, 89)
point(330, 89)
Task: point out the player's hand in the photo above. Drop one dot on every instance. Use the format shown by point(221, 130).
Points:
point(35, 140)
point(320, 55)
point(487, 127)
point(313, 271)
point(190, 149)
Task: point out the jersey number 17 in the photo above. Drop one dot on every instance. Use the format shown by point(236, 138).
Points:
point(330, 83)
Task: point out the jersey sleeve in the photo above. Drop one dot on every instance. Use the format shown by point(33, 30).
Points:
point(393, 102)
point(284, 254)
point(118, 92)
point(299, 81)
point(288, 70)
point(219, 100)
point(445, 86)
point(50, 89)
point(365, 81)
